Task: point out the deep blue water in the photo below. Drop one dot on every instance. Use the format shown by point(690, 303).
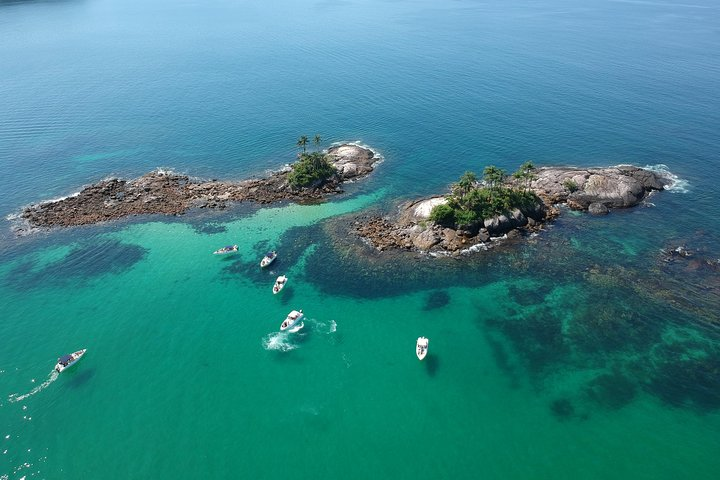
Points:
point(223, 89)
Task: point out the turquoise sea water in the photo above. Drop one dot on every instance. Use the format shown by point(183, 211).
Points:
point(577, 354)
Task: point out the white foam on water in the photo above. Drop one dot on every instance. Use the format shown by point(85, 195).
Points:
point(60, 199)
point(166, 171)
point(677, 184)
point(326, 328)
point(278, 341)
point(479, 247)
point(51, 378)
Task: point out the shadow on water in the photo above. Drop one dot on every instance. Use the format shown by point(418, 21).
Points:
point(286, 295)
point(432, 363)
point(79, 378)
point(83, 263)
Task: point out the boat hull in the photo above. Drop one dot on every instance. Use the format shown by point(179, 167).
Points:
point(76, 356)
point(291, 322)
point(421, 348)
point(223, 251)
point(268, 259)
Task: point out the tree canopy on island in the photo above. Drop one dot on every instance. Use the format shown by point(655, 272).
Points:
point(470, 201)
point(311, 168)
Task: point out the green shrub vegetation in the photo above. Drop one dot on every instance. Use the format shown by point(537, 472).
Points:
point(571, 185)
point(443, 214)
point(311, 168)
point(470, 201)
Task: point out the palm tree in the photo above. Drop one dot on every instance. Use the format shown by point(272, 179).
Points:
point(528, 168)
point(493, 176)
point(316, 141)
point(302, 141)
point(464, 186)
point(526, 174)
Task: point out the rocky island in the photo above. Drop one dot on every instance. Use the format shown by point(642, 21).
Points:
point(475, 212)
point(172, 194)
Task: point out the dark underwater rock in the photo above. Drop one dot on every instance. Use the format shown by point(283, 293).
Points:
point(436, 299)
point(562, 408)
point(612, 390)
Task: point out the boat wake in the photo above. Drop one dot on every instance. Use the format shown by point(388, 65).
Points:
point(326, 328)
point(290, 339)
point(278, 341)
point(18, 398)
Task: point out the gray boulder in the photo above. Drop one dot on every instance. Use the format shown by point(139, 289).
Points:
point(598, 208)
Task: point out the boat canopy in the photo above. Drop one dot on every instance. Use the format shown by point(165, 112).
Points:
point(65, 359)
point(270, 254)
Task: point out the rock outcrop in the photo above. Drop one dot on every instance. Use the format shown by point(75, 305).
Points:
point(172, 194)
point(594, 189)
point(614, 187)
point(352, 161)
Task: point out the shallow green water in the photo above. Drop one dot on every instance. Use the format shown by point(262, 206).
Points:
point(187, 374)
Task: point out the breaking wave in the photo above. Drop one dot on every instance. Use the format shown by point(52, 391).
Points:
point(677, 184)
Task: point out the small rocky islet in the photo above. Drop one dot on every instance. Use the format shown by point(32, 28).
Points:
point(596, 190)
point(166, 193)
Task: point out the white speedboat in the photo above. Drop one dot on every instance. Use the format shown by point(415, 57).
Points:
point(268, 259)
point(67, 361)
point(293, 318)
point(279, 284)
point(227, 249)
point(421, 347)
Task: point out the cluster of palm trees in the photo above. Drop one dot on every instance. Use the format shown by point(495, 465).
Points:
point(302, 142)
point(312, 168)
point(470, 201)
point(494, 178)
